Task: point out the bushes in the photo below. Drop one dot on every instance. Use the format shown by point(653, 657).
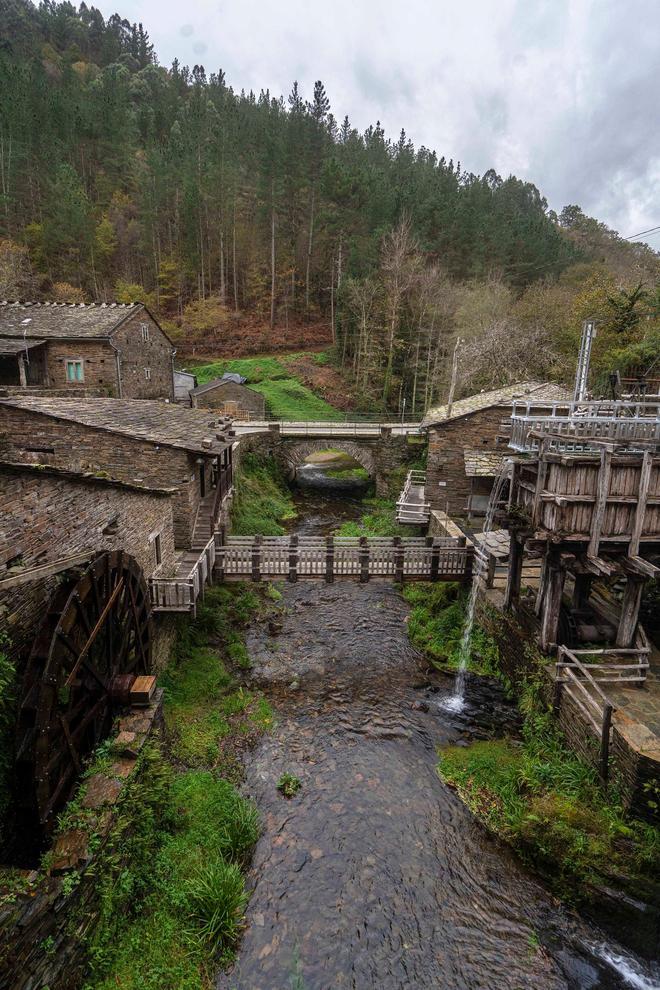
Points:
point(435, 627)
point(379, 521)
point(549, 804)
point(178, 905)
point(262, 499)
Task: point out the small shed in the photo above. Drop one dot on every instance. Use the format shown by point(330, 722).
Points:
point(231, 397)
point(184, 383)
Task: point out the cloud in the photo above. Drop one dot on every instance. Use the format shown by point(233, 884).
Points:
point(560, 92)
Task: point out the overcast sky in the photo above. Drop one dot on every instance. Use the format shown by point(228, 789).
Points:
point(564, 93)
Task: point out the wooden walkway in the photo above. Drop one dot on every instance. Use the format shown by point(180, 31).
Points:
point(412, 506)
point(345, 558)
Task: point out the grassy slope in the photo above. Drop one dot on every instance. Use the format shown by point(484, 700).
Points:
point(262, 499)
point(174, 909)
point(286, 397)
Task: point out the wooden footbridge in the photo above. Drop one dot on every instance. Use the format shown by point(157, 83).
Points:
point(359, 559)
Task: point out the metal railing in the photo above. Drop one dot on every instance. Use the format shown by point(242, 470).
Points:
point(328, 428)
point(411, 506)
point(181, 593)
point(361, 558)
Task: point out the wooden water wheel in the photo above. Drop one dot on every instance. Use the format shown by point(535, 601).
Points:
point(94, 640)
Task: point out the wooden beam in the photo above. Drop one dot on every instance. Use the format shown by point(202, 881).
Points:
point(601, 500)
point(639, 566)
point(552, 602)
point(642, 496)
point(632, 597)
point(45, 570)
point(514, 574)
point(598, 566)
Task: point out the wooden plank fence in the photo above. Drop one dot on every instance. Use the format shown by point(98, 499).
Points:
point(181, 593)
point(357, 558)
point(581, 681)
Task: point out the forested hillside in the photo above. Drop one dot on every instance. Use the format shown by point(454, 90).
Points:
point(225, 212)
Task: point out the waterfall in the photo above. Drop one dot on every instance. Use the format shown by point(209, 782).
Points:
point(456, 701)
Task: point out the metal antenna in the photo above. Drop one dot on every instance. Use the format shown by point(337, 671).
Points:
point(582, 373)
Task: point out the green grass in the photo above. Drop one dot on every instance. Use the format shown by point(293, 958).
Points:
point(171, 878)
point(175, 910)
point(286, 397)
point(435, 627)
point(547, 803)
point(204, 704)
point(348, 474)
point(380, 520)
point(262, 501)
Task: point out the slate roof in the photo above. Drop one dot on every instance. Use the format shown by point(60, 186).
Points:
point(219, 382)
point(482, 463)
point(12, 345)
point(538, 391)
point(62, 321)
point(39, 470)
point(162, 423)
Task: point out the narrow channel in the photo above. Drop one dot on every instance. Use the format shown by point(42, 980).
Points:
point(375, 875)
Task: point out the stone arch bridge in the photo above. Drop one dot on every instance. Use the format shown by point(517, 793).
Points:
point(381, 449)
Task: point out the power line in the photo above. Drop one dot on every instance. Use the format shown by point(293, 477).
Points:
point(651, 230)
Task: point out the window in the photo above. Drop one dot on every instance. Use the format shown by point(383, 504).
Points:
point(75, 371)
point(147, 374)
point(144, 330)
point(158, 550)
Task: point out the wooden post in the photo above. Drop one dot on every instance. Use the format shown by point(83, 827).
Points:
point(219, 560)
point(256, 559)
point(538, 605)
point(632, 597)
point(514, 574)
point(601, 501)
point(552, 601)
point(398, 559)
point(364, 560)
point(22, 377)
point(556, 694)
point(581, 590)
point(435, 558)
point(329, 560)
point(293, 559)
point(541, 473)
point(605, 741)
point(642, 496)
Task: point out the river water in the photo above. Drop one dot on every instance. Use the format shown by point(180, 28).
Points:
point(374, 876)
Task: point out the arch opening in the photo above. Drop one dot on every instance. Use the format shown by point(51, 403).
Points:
point(325, 464)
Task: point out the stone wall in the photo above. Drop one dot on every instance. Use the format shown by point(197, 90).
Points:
point(46, 914)
point(136, 355)
point(249, 404)
point(447, 485)
point(385, 457)
point(47, 517)
point(31, 438)
point(99, 365)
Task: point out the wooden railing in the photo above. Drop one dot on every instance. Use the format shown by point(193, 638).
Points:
point(575, 425)
point(359, 558)
point(582, 683)
point(411, 506)
point(181, 593)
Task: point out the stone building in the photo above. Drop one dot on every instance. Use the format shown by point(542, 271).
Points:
point(118, 349)
point(184, 381)
point(151, 444)
point(53, 520)
point(470, 427)
point(230, 396)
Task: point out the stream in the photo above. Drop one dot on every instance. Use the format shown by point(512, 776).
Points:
point(375, 875)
